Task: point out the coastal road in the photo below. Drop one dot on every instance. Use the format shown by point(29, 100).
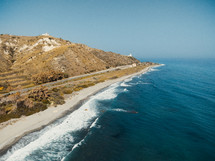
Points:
point(68, 79)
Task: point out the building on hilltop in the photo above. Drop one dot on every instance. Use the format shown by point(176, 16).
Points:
point(46, 34)
point(130, 55)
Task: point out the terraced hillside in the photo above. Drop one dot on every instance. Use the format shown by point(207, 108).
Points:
point(22, 57)
point(14, 80)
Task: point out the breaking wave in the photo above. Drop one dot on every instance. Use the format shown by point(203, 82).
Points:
point(59, 135)
point(79, 119)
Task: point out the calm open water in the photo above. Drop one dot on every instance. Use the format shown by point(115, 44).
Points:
point(167, 114)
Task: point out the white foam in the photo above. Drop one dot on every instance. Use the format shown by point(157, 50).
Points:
point(109, 93)
point(78, 144)
point(94, 124)
point(75, 146)
point(81, 118)
point(152, 69)
point(119, 110)
point(125, 90)
point(123, 84)
point(129, 79)
point(77, 120)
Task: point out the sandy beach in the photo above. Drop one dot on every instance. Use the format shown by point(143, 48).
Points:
point(10, 134)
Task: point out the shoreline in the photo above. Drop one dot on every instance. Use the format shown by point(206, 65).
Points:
point(12, 133)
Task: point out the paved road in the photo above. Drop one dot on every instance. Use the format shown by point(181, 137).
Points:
point(68, 79)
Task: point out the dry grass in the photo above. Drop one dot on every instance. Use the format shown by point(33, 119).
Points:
point(84, 82)
point(27, 104)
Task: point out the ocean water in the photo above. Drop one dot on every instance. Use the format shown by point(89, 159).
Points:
point(167, 114)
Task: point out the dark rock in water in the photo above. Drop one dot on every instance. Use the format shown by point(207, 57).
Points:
point(133, 112)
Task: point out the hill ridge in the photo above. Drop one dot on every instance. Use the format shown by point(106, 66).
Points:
point(35, 54)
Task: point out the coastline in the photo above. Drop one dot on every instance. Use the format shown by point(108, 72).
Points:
point(10, 134)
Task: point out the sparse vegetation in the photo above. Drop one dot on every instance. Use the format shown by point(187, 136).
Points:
point(67, 91)
point(4, 85)
point(23, 59)
point(16, 105)
point(49, 76)
point(56, 98)
point(39, 94)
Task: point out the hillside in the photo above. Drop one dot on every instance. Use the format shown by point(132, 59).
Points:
point(21, 57)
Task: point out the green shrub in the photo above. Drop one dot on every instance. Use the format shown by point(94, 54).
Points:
point(67, 91)
point(66, 75)
point(45, 101)
point(55, 89)
point(49, 76)
point(56, 98)
point(39, 94)
point(114, 77)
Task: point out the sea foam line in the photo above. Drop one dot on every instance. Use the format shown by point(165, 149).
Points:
point(119, 110)
point(94, 124)
point(77, 120)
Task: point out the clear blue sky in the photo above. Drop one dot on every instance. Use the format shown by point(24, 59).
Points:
point(146, 28)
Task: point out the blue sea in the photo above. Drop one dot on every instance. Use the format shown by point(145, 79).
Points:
point(167, 114)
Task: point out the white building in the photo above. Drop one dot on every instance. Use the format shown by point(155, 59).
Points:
point(46, 34)
point(130, 55)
